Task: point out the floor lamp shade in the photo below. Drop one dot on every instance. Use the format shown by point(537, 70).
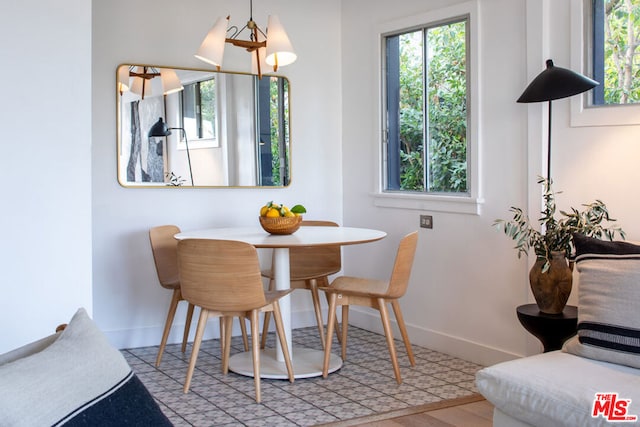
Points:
point(556, 83)
point(159, 129)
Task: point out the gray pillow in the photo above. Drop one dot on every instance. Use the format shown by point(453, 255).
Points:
point(75, 378)
point(608, 301)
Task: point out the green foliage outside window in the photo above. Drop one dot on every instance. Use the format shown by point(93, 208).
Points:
point(275, 104)
point(621, 56)
point(447, 89)
point(447, 111)
point(208, 106)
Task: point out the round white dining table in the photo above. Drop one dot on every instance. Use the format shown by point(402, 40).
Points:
point(306, 362)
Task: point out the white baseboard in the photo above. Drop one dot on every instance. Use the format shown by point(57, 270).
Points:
point(144, 337)
point(454, 346)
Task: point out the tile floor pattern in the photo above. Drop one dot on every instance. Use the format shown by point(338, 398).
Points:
point(365, 384)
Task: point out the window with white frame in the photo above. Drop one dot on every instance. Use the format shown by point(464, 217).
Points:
point(199, 109)
point(426, 87)
point(605, 45)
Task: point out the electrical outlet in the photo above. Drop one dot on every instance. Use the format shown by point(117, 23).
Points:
point(426, 221)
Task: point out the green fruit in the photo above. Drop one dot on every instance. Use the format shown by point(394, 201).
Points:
point(298, 209)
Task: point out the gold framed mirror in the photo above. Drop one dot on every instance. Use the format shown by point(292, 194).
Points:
point(185, 127)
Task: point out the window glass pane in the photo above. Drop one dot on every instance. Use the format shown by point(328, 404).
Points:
point(447, 88)
point(411, 99)
point(189, 111)
point(426, 95)
point(208, 110)
point(199, 109)
point(615, 56)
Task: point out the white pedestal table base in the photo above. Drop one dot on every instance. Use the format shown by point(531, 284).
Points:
point(307, 363)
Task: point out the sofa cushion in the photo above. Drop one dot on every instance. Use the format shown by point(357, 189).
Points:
point(608, 301)
point(75, 378)
point(557, 388)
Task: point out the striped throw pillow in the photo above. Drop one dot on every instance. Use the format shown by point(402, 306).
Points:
point(608, 301)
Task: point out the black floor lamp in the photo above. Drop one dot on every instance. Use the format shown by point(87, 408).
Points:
point(160, 129)
point(555, 83)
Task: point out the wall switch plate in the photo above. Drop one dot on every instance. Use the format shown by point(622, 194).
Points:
point(426, 221)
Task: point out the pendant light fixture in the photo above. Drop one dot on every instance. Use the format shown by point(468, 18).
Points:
point(138, 80)
point(274, 45)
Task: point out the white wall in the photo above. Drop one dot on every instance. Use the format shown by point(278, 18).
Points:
point(467, 280)
point(129, 305)
point(45, 256)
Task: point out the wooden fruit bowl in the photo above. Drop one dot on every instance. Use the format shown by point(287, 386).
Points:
point(281, 225)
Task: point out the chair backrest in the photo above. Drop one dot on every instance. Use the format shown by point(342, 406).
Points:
point(220, 275)
point(165, 254)
point(317, 261)
point(402, 266)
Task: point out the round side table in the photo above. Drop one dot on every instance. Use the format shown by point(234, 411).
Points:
point(551, 329)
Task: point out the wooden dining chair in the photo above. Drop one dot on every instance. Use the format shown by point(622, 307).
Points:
point(222, 277)
point(347, 290)
point(165, 256)
point(310, 268)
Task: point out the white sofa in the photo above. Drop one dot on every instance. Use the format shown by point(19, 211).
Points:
point(556, 389)
point(601, 363)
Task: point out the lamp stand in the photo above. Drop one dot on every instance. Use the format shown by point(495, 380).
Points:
point(549, 145)
point(186, 143)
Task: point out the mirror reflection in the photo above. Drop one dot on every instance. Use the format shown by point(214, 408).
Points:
point(200, 128)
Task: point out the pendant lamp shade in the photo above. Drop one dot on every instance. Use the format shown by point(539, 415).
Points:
point(141, 87)
point(159, 129)
point(279, 50)
point(556, 83)
point(123, 78)
point(212, 48)
point(170, 81)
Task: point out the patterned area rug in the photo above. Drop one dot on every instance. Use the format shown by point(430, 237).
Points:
point(364, 386)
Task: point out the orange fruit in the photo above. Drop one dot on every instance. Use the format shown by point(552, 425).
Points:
point(272, 213)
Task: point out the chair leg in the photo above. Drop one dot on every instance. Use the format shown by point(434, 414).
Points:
point(265, 329)
point(330, 323)
point(384, 315)
point(403, 330)
point(345, 328)
point(222, 338)
point(187, 326)
point(202, 323)
point(255, 353)
point(226, 347)
point(267, 318)
point(167, 324)
point(315, 296)
point(277, 316)
point(243, 328)
point(337, 324)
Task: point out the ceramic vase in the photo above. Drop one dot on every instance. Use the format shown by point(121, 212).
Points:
point(551, 289)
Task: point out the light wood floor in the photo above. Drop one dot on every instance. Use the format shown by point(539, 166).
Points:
point(476, 414)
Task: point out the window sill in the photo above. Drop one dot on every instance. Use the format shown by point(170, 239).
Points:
point(196, 144)
point(450, 204)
